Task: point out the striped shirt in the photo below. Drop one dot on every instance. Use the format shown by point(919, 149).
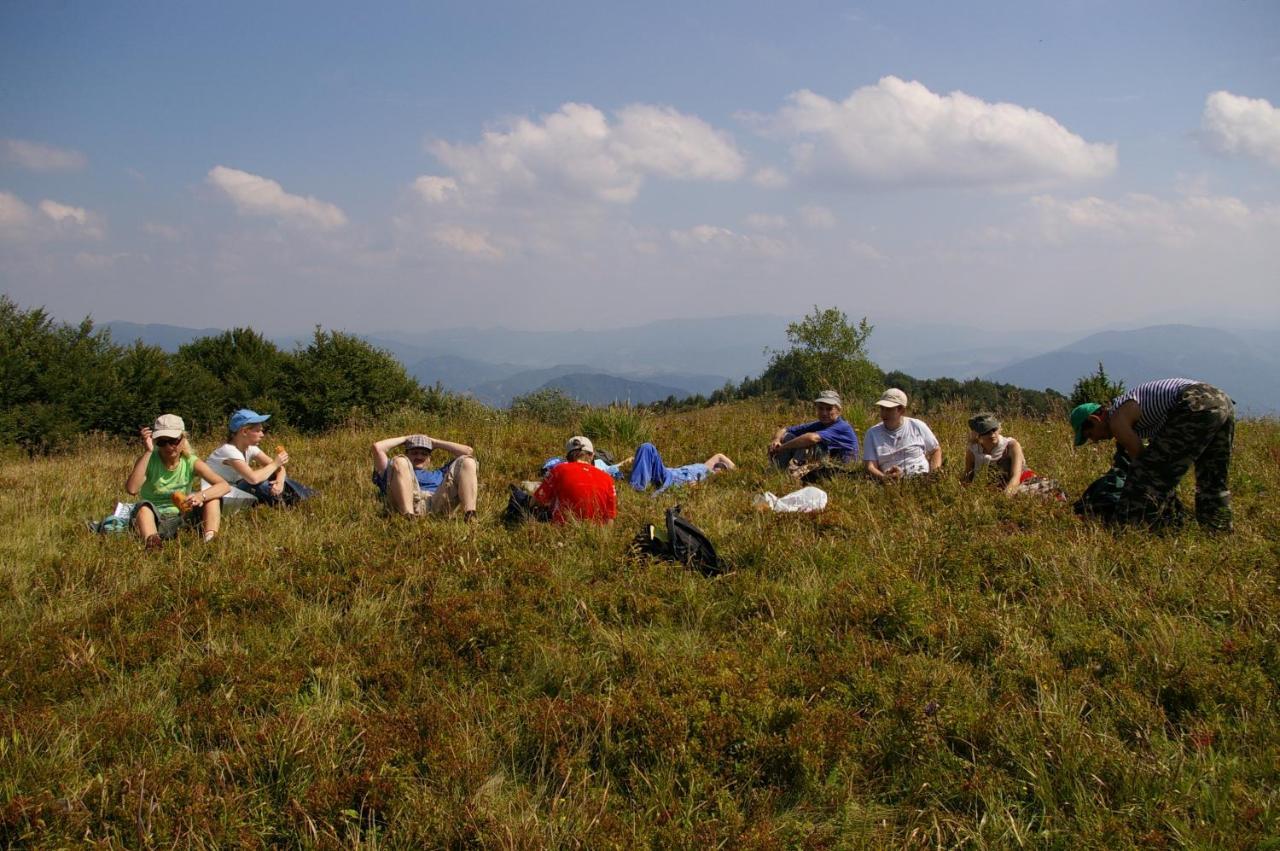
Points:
point(1155, 400)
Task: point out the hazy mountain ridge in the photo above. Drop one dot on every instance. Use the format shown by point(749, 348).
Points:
point(1244, 363)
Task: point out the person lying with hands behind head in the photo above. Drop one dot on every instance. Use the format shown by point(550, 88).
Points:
point(899, 447)
point(414, 488)
point(165, 478)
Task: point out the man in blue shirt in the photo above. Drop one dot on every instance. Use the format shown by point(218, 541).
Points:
point(414, 488)
point(829, 437)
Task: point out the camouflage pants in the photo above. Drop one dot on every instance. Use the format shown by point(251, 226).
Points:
point(1199, 430)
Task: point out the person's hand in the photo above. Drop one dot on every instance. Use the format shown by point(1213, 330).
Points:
point(277, 487)
point(195, 500)
point(282, 457)
point(147, 442)
point(893, 473)
point(775, 446)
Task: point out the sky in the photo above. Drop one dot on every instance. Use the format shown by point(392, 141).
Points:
point(1068, 165)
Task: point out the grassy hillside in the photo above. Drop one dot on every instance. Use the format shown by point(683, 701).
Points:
point(913, 667)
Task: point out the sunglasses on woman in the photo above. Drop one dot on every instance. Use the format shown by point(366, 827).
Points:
point(168, 441)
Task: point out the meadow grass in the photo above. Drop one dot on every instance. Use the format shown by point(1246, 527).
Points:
point(913, 667)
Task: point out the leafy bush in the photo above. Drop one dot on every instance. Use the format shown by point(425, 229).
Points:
point(339, 377)
point(250, 370)
point(550, 405)
point(1095, 387)
point(827, 351)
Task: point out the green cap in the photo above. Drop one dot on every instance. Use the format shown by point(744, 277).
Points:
point(1078, 416)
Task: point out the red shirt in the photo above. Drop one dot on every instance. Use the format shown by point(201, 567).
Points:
point(574, 489)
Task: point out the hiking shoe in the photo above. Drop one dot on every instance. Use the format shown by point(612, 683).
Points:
point(469, 517)
point(153, 542)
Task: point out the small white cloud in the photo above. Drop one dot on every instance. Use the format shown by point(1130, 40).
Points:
point(48, 220)
point(38, 157)
point(817, 217)
point(899, 132)
point(723, 239)
point(864, 250)
point(1137, 217)
point(100, 262)
point(765, 221)
point(577, 152)
point(15, 215)
point(1242, 126)
point(436, 190)
point(471, 242)
point(168, 232)
point(260, 196)
point(769, 178)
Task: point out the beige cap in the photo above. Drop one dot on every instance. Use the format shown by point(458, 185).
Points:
point(168, 425)
point(893, 398)
point(829, 397)
point(579, 444)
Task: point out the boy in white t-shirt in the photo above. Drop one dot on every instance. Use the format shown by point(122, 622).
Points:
point(899, 447)
point(254, 475)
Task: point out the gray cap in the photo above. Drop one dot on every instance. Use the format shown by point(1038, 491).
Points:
point(893, 398)
point(829, 397)
point(418, 441)
point(983, 423)
point(579, 444)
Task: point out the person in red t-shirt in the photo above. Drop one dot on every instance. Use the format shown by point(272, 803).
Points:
point(576, 488)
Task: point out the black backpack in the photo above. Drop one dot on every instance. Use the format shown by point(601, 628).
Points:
point(680, 541)
point(521, 508)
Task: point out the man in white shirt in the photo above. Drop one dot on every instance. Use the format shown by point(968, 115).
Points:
point(899, 447)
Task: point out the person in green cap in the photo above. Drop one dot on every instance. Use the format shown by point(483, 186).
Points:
point(1184, 423)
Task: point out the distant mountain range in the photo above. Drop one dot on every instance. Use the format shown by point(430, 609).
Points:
point(1248, 370)
point(651, 362)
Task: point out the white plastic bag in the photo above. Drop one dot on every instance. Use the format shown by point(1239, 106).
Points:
point(805, 499)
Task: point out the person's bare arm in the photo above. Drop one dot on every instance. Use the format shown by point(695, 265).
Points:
point(775, 445)
point(968, 468)
point(457, 450)
point(935, 459)
point(380, 450)
point(873, 469)
point(138, 475)
point(257, 475)
point(1122, 422)
point(802, 441)
point(1016, 465)
point(218, 486)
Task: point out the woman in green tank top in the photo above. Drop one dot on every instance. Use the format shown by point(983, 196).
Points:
point(166, 480)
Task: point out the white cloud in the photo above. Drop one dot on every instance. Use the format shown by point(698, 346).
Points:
point(15, 215)
point(1242, 126)
point(765, 221)
point(471, 242)
point(435, 190)
point(817, 217)
point(864, 250)
point(261, 196)
point(38, 157)
point(770, 178)
point(577, 152)
point(47, 220)
point(169, 232)
point(1195, 219)
point(723, 239)
point(898, 132)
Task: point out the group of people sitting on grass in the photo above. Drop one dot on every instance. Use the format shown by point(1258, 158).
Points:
point(1162, 428)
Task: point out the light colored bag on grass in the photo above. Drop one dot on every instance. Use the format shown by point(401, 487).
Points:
point(805, 499)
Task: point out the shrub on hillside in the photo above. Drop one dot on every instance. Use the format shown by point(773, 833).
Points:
point(338, 377)
point(827, 351)
point(250, 369)
point(1095, 387)
point(550, 405)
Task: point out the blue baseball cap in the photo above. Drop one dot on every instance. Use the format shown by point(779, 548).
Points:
point(244, 417)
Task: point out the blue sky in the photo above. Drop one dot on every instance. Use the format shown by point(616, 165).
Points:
point(1067, 165)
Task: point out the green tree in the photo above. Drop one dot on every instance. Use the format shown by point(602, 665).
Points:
point(340, 376)
point(1095, 387)
point(250, 368)
point(827, 351)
